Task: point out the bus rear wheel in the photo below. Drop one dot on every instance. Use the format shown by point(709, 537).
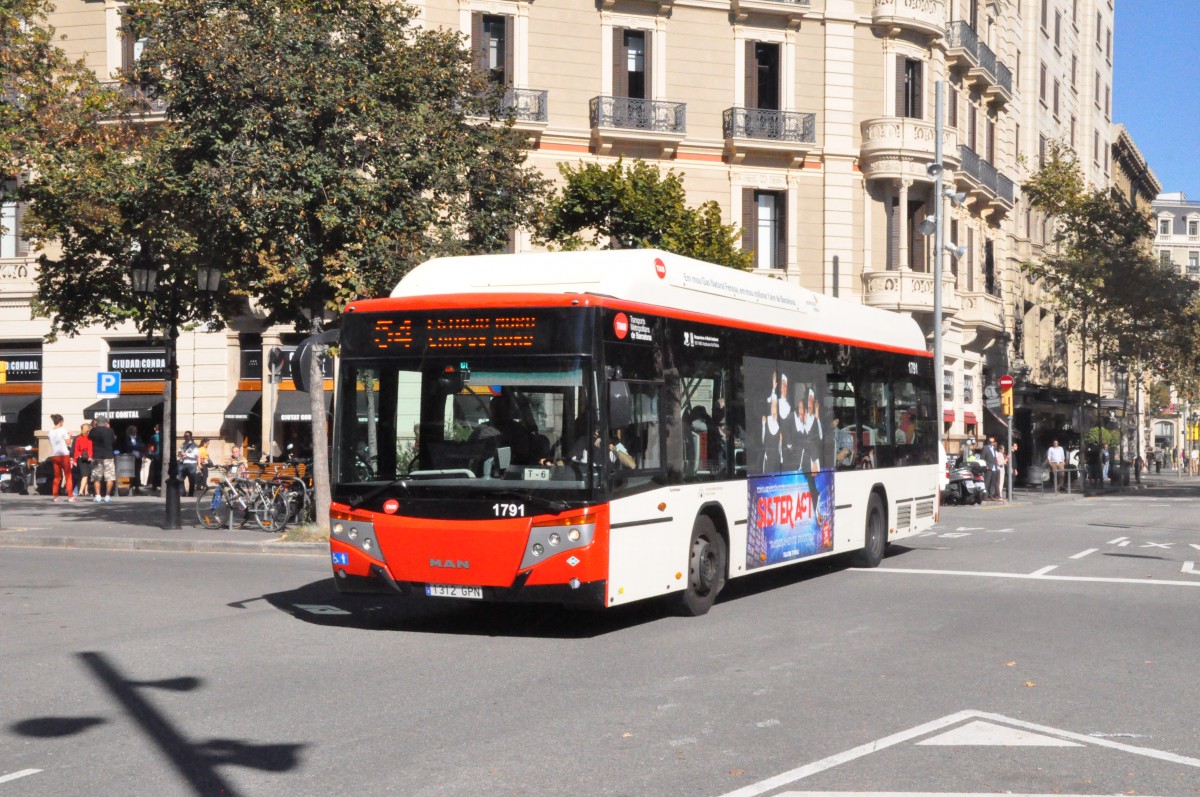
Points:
point(874, 535)
point(708, 557)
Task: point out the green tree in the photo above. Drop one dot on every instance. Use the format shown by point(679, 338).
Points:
point(314, 151)
point(47, 101)
point(636, 206)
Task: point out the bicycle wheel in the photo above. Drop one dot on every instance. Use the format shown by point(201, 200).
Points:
point(271, 510)
point(212, 510)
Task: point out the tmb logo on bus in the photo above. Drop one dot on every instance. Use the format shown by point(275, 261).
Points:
point(621, 325)
point(452, 564)
point(660, 268)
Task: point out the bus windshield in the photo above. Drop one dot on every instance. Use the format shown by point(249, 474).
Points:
point(491, 423)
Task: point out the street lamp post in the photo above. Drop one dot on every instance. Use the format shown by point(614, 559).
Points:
point(145, 274)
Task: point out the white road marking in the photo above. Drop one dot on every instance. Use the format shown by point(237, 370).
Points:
point(1044, 570)
point(313, 608)
point(953, 534)
point(1123, 544)
point(1118, 539)
point(1194, 545)
point(985, 574)
point(969, 528)
point(1190, 567)
point(989, 734)
point(16, 775)
point(1082, 554)
point(1157, 545)
point(909, 794)
point(799, 773)
point(1000, 531)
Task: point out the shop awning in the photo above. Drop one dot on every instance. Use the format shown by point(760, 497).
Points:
point(245, 403)
point(948, 416)
point(125, 408)
point(969, 417)
point(292, 405)
point(11, 406)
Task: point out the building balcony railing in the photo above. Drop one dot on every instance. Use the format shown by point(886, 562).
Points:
point(152, 108)
point(764, 129)
point(968, 54)
point(632, 119)
point(527, 105)
point(982, 310)
point(908, 291)
point(18, 277)
point(897, 147)
point(921, 16)
point(983, 181)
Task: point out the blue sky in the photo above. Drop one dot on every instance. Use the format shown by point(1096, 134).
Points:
point(1156, 86)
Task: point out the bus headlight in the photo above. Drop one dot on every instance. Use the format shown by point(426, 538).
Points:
point(338, 528)
point(538, 550)
point(554, 539)
point(573, 535)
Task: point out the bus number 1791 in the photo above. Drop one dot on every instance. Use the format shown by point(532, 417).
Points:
point(509, 510)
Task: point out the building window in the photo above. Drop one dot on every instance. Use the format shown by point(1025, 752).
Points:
point(762, 75)
point(1042, 84)
point(1041, 151)
point(1056, 95)
point(972, 124)
point(1075, 72)
point(492, 40)
point(1046, 16)
point(1096, 91)
point(1193, 227)
point(948, 387)
point(1193, 263)
point(1164, 257)
point(9, 235)
point(1107, 103)
point(764, 227)
point(968, 388)
point(952, 109)
point(631, 63)
point(1057, 30)
point(1075, 12)
point(1164, 227)
point(909, 84)
point(1073, 131)
point(1096, 147)
point(1108, 45)
point(1099, 22)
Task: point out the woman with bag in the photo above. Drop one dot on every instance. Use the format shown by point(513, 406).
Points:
point(82, 454)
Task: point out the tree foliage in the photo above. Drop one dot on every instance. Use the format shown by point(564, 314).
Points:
point(313, 151)
point(636, 206)
point(1103, 281)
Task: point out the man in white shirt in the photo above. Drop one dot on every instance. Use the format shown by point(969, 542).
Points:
point(1057, 460)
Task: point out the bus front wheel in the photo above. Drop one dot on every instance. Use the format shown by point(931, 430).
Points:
point(707, 560)
point(874, 535)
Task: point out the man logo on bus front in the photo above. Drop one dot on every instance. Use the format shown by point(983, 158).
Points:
point(452, 564)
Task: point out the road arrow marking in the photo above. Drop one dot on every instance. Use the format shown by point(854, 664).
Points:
point(980, 733)
point(1190, 567)
point(313, 608)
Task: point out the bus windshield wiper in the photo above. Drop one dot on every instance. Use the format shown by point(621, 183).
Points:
point(398, 482)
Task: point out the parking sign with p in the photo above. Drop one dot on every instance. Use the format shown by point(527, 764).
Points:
point(108, 384)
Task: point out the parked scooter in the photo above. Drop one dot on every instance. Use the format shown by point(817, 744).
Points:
point(15, 473)
point(965, 483)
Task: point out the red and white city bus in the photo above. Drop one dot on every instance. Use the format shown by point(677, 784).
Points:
point(595, 428)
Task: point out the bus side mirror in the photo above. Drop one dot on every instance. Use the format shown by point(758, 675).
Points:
point(620, 404)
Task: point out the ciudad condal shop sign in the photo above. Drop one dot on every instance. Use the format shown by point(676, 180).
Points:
point(138, 366)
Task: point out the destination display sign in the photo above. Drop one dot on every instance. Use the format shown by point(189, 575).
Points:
point(456, 332)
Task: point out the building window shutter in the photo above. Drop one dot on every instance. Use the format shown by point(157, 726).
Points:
point(917, 246)
point(620, 64)
point(901, 76)
point(918, 73)
point(781, 225)
point(509, 49)
point(749, 220)
point(18, 231)
point(952, 111)
point(970, 259)
point(648, 38)
point(478, 42)
point(893, 253)
point(954, 241)
point(751, 76)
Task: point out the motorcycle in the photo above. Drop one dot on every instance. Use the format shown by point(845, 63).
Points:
point(14, 473)
point(964, 484)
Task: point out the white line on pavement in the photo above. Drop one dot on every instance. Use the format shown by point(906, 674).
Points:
point(1118, 539)
point(1044, 570)
point(23, 773)
point(1082, 554)
point(1190, 567)
point(983, 574)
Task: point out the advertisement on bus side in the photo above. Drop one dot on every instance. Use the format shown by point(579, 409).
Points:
point(789, 459)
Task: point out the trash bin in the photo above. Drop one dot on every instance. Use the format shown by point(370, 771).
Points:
point(126, 468)
point(1126, 467)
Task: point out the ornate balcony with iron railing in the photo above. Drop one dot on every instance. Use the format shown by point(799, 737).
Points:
point(630, 119)
point(908, 291)
point(966, 53)
point(982, 311)
point(983, 182)
point(527, 106)
point(766, 130)
point(921, 16)
point(900, 148)
point(152, 109)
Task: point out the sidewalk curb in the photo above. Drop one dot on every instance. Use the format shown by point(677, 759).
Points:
point(178, 546)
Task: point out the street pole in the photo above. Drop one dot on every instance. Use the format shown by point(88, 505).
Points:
point(939, 243)
point(173, 486)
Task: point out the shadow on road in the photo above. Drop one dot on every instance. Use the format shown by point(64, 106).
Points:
point(196, 762)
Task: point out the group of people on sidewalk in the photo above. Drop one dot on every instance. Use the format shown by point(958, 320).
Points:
point(85, 464)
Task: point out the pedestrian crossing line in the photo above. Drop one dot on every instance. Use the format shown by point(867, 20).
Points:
point(1082, 554)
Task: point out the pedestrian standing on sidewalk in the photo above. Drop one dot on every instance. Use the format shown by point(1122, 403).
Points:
point(1001, 470)
point(60, 455)
point(990, 480)
point(189, 458)
point(81, 450)
point(104, 466)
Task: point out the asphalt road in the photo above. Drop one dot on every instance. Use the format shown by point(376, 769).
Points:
point(1049, 648)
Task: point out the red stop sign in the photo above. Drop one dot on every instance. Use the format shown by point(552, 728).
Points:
point(1006, 382)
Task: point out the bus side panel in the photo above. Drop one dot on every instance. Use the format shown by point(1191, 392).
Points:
point(911, 494)
point(649, 547)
